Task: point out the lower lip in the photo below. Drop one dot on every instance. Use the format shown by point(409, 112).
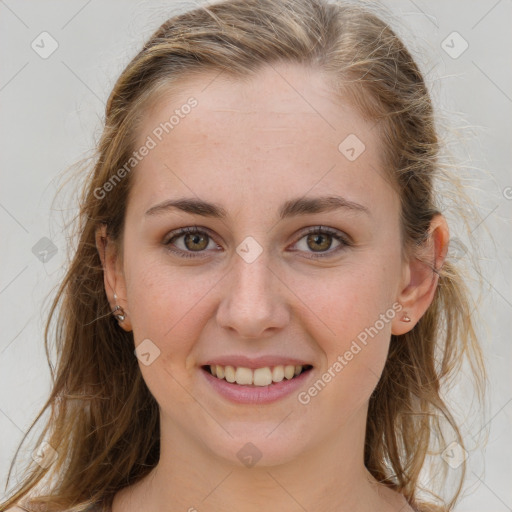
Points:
point(245, 394)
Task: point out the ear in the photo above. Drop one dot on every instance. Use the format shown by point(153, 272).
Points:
point(113, 276)
point(420, 277)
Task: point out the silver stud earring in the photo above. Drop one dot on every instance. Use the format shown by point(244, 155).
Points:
point(405, 318)
point(118, 311)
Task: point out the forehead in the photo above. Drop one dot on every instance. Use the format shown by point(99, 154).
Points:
point(282, 131)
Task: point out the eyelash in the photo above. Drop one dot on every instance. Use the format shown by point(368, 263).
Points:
point(195, 230)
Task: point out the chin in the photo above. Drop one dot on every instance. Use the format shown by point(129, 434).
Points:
point(257, 445)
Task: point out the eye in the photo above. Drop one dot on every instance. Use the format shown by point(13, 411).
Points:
point(193, 240)
point(319, 239)
point(184, 242)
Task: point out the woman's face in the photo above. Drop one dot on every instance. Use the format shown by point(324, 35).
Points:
point(253, 283)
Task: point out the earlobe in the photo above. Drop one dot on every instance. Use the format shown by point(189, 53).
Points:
point(113, 278)
point(422, 276)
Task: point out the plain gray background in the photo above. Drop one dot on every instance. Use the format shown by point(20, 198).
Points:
point(52, 110)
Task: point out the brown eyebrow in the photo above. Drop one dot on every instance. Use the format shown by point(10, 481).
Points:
point(291, 208)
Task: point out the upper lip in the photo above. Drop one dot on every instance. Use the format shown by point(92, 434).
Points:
point(255, 362)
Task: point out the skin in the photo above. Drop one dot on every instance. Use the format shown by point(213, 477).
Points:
point(250, 146)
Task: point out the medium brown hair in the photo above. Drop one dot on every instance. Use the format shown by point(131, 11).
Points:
point(103, 420)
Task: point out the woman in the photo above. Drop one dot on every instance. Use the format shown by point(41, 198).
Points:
point(260, 312)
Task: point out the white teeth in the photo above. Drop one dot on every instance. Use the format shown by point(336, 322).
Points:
point(258, 377)
point(229, 373)
point(278, 373)
point(262, 376)
point(289, 371)
point(243, 375)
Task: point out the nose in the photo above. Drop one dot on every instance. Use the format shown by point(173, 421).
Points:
point(253, 302)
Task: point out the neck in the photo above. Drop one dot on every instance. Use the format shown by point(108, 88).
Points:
point(329, 476)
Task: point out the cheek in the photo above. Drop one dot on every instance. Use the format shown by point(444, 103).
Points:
point(170, 306)
point(350, 319)
point(345, 301)
point(167, 307)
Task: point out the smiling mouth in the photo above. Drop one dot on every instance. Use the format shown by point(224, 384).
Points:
point(265, 376)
